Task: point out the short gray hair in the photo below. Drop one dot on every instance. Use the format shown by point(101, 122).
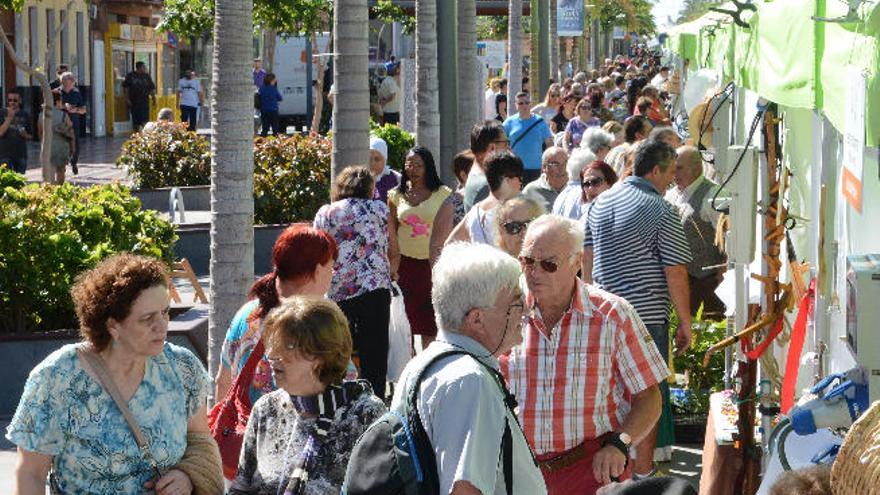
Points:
point(68, 75)
point(469, 276)
point(572, 229)
point(578, 159)
point(165, 114)
point(552, 151)
point(595, 138)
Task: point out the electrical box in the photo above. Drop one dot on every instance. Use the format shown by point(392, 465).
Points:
point(863, 316)
point(742, 189)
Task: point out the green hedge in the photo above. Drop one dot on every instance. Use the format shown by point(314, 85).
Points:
point(291, 178)
point(49, 234)
point(169, 155)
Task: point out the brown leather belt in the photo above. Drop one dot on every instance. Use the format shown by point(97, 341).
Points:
point(566, 459)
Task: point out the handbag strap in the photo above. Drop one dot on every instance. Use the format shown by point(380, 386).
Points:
point(521, 136)
point(92, 362)
point(246, 374)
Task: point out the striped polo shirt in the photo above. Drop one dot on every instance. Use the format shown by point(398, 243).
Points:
point(635, 234)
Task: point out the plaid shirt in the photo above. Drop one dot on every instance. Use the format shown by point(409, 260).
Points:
point(574, 382)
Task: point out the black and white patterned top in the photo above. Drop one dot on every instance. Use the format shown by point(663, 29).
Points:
point(277, 436)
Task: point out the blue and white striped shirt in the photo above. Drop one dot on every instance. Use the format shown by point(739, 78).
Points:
point(635, 234)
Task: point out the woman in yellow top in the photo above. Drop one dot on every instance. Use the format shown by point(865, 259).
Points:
point(413, 206)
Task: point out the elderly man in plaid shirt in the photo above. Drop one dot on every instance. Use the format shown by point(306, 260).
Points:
point(586, 374)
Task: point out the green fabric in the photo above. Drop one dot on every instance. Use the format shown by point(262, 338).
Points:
point(788, 58)
point(666, 425)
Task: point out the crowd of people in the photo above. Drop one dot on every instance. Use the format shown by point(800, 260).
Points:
point(574, 226)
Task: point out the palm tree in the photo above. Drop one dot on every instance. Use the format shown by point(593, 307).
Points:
point(514, 48)
point(232, 169)
point(468, 72)
point(427, 85)
point(351, 109)
point(555, 72)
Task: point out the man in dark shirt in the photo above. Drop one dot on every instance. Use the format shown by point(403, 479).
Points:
point(15, 131)
point(75, 106)
point(56, 83)
point(139, 89)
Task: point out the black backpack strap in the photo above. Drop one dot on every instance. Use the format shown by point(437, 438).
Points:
point(507, 457)
point(521, 136)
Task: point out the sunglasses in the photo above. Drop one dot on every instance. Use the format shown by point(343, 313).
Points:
point(13, 100)
point(514, 227)
point(592, 182)
point(546, 265)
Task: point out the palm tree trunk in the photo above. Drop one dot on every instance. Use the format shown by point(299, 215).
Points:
point(514, 48)
point(351, 111)
point(468, 71)
point(534, 51)
point(554, 44)
point(232, 169)
point(427, 78)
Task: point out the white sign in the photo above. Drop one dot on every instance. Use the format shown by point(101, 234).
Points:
point(854, 139)
point(492, 53)
point(619, 33)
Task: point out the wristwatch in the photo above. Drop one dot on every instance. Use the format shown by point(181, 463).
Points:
point(619, 440)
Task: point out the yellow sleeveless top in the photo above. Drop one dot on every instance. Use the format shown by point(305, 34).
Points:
point(415, 222)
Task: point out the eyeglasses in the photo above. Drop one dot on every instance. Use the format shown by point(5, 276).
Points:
point(13, 100)
point(515, 227)
point(505, 142)
point(548, 265)
point(596, 181)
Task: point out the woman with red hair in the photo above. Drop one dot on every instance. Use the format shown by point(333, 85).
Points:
point(302, 261)
point(596, 178)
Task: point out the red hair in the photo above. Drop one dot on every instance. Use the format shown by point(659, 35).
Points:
point(297, 253)
point(603, 168)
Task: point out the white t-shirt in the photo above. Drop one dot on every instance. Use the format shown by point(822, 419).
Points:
point(388, 89)
point(489, 104)
point(189, 92)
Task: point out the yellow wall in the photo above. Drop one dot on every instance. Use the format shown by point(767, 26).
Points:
point(75, 59)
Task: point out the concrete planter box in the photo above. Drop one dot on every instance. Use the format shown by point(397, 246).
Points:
point(194, 244)
point(194, 198)
point(21, 353)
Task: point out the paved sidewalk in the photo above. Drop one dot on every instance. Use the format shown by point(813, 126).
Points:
point(97, 161)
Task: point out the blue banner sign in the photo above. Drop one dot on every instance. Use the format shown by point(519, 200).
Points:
point(570, 18)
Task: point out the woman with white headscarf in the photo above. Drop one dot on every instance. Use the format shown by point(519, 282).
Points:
point(386, 179)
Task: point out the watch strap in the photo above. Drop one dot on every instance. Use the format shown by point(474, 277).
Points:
point(614, 440)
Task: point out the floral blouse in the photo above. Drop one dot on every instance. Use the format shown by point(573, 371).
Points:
point(277, 435)
point(360, 227)
point(66, 414)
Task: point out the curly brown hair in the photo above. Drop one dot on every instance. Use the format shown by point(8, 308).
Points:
point(109, 289)
point(315, 326)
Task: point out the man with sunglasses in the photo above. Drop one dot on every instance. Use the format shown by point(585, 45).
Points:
point(635, 247)
point(529, 134)
point(15, 131)
point(553, 178)
point(486, 137)
point(586, 373)
point(464, 407)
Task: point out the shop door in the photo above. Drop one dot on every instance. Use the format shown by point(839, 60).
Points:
point(122, 62)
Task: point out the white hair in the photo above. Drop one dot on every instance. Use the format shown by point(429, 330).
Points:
point(572, 229)
point(578, 159)
point(468, 276)
point(549, 152)
point(596, 138)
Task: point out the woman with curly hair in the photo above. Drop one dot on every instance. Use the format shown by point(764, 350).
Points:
point(68, 426)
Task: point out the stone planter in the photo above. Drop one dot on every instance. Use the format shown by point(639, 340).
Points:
point(20, 353)
point(194, 198)
point(194, 244)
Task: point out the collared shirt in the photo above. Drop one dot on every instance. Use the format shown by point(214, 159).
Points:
point(568, 203)
point(541, 192)
point(635, 234)
point(574, 382)
point(680, 198)
point(462, 409)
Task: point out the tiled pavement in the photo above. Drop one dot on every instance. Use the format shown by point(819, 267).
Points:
point(97, 161)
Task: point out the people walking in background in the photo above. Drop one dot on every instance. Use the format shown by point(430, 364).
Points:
point(386, 178)
point(529, 135)
point(259, 73)
point(361, 274)
point(413, 207)
point(75, 106)
point(547, 109)
point(553, 179)
point(15, 132)
point(569, 202)
point(389, 95)
point(62, 139)
point(190, 97)
point(486, 137)
point(139, 90)
point(269, 98)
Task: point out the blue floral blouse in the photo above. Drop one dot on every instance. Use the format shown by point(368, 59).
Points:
point(66, 414)
point(360, 227)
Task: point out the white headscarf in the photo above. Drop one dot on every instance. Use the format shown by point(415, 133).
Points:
point(381, 146)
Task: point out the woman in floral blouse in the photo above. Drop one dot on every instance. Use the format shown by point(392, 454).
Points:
point(362, 277)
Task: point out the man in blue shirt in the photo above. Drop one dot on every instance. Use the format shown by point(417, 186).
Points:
point(528, 134)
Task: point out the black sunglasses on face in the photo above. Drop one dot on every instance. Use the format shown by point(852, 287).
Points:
point(592, 182)
point(546, 265)
point(515, 227)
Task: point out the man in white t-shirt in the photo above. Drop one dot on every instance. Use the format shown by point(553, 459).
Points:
point(660, 79)
point(496, 87)
point(189, 97)
point(389, 96)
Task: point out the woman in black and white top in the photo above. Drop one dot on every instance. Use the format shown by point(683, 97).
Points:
point(299, 437)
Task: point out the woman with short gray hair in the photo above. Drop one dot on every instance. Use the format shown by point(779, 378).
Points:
point(598, 141)
point(568, 203)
